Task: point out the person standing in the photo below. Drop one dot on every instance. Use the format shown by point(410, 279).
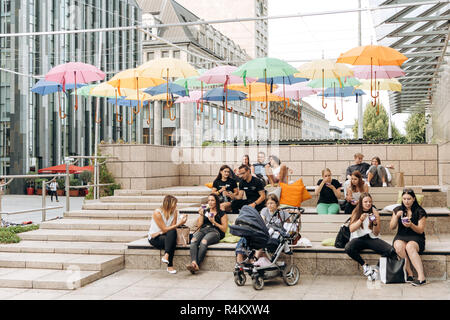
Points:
point(329, 192)
point(409, 242)
point(53, 190)
point(250, 188)
point(162, 233)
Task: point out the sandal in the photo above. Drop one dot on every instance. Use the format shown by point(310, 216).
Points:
point(191, 268)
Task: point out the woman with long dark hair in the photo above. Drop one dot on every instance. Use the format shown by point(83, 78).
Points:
point(213, 224)
point(162, 233)
point(409, 241)
point(357, 186)
point(365, 230)
point(276, 171)
point(225, 188)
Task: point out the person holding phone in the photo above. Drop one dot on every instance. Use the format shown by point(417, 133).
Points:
point(162, 233)
point(409, 242)
point(364, 234)
point(213, 224)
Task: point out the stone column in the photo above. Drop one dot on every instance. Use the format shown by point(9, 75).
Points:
point(157, 122)
point(186, 124)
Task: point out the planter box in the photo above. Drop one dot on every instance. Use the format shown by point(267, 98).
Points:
point(60, 192)
point(39, 191)
point(30, 191)
point(73, 193)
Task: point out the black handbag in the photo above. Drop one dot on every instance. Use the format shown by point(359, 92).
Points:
point(392, 270)
point(343, 235)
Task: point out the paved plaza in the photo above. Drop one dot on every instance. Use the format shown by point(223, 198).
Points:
point(158, 285)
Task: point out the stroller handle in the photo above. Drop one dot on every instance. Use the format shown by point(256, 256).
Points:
point(300, 209)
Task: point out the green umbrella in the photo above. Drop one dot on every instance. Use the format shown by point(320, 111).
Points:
point(84, 91)
point(334, 82)
point(265, 68)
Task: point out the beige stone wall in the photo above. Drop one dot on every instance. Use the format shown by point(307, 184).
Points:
point(142, 167)
point(147, 166)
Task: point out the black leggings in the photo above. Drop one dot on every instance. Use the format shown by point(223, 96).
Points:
point(200, 241)
point(168, 242)
point(354, 247)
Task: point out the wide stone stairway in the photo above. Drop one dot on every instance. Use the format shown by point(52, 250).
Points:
point(109, 234)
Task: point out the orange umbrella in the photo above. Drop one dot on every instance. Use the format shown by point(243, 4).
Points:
point(265, 96)
point(373, 56)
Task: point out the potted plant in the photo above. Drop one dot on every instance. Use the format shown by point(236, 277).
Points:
point(85, 177)
point(74, 192)
point(30, 186)
point(61, 187)
point(38, 185)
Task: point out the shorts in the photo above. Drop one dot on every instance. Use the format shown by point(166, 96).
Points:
point(241, 246)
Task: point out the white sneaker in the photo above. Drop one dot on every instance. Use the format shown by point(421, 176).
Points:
point(171, 271)
point(164, 260)
point(373, 276)
point(367, 270)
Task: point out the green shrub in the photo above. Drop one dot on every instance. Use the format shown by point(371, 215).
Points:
point(8, 237)
point(9, 234)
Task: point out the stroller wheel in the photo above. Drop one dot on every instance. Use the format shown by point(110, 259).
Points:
point(258, 282)
point(291, 275)
point(239, 278)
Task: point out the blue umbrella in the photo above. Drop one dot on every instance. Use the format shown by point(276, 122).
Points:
point(282, 80)
point(44, 87)
point(171, 87)
point(342, 92)
point(219, 94)
point(126, 103)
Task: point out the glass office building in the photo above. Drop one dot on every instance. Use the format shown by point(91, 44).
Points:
point(32, 135)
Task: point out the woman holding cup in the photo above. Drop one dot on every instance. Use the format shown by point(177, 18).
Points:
point(357, 186)
point(409, 241)
point(213, 224)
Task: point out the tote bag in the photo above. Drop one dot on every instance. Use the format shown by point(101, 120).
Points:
point(183, 235)
point(343, 235)
point(392, 270)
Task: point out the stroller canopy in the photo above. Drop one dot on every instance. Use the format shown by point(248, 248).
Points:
point(251, 226)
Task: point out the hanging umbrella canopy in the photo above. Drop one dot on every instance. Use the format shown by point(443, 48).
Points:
point(218, 94)
point(372, 55)
point(106, 90)
point(286, 80)
point(382, 72)
point(222, 75)
point(261, 96)
point(194, 96)
point(142, 96)
point(170, 88)
point(254, 87)
point(334, 82)
point(265, 68)
point(132, 79)
point(295, 91)
point(342, 92)
point(62, 169)
point(167, 67)
point(74, 72)
point(44, 87)
point(323, 69)
point(383, 84)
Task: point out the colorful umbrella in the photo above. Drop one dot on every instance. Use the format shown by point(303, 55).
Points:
point(383, 84)
point(373, 56)
point(85, 90)
point(382, 72)
point(296, 91)
point(44, 87)
point(74, 72)
point(342, 92)
point(264, 96)
point(127, 103)
point(62, 169)
point(323, 69)
point(265, 68)
point(218, 94)
point(194, 97)
point(170, 87)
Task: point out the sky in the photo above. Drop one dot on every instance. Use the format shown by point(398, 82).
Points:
point(323, 36)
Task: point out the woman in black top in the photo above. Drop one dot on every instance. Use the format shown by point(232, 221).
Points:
point(213, 224)
point(409, 241)
point(329, 192)
point(225, 188)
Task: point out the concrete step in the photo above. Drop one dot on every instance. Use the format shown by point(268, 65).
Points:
point(174, 191)
point(46, 278)
point(154, 199)
point(74, 247)
point(89, 224)
point(109, 214)
point(128, 205)
point(60, 261)
point(83, 235)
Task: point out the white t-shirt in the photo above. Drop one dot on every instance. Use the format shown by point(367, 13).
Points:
point(154, 227)
point(53, 186)
point(360, 232)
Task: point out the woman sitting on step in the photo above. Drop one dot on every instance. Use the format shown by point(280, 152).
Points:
point(409, 241)
point(213, 224)
point(357, 186)
point(163, 233)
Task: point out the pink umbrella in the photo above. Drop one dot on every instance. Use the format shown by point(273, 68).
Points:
point(194, 96)
point(381, 72)
point(74, 72)
point(295, 91)
point(223, 74)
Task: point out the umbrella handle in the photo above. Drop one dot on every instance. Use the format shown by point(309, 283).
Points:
point(137, 93)
point(226, 102)
point(170, 115)
point(149, 119)
point(250, 101)
point(374, 102)
point(375, 81)
point(61, 115)
point(299, 110)
point(131, 113)
point(201, 98)
point(138, 107)
point(265, 86)
point(97, 120)
point(250, 111)
point(118, 119)
point(223, 119)
point(342, 112)
point(267, 117)
point(76, 97)
point(324, 105)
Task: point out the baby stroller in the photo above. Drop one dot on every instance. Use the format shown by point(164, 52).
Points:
point(273, 241)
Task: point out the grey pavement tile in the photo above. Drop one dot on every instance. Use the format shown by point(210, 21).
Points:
point(183, 294)
point(137, 293)
point(6, 293)
point(40, 294)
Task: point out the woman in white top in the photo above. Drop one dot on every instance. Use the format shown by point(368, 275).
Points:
point(357, 186)
point(162, 233)
point(365, 230)
point(275, 171)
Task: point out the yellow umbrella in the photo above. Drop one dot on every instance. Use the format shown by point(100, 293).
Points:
point(381, 84)
point(324, 69)
point(263, 96)
point(254, 87)
point(106, 90)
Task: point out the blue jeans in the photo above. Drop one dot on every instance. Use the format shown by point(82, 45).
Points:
point(200, 241)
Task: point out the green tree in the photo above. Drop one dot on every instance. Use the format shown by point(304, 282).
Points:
point(415, 128)
point(376, 126)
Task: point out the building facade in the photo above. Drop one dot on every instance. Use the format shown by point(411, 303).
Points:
point(314, 125)
point(32, 134)
point(252, 36)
